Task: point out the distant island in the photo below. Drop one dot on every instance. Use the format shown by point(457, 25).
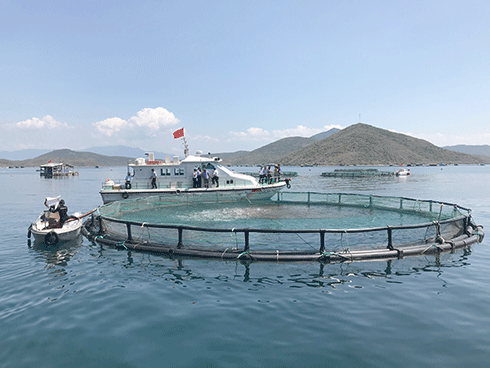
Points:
point(357, 145)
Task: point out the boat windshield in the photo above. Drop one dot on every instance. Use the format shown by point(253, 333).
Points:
point(209, 166)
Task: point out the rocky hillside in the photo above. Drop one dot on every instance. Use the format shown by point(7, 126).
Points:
point(270, 153)
point(362, 144)
point(358, 144)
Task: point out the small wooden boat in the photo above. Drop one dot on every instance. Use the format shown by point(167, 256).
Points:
point(44, 229)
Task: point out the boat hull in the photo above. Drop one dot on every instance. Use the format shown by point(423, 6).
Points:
point(222, 194)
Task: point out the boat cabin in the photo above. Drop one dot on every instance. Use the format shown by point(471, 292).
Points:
point(174, 173)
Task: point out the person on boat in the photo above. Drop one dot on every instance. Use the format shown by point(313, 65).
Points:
point(215, 177)
point(127, 183)
point(62, 211)
point(269, 175)
point(277, 172)
point(199, 178)
point(261, 174)
point(205, 176)
point(153, 178)
point(194, 179)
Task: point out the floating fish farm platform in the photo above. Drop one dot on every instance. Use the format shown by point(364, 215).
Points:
point(292, 226)
point(350, 173)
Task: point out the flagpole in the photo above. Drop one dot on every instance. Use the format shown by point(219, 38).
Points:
point(186, 148)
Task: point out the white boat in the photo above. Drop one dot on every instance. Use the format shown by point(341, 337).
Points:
point(175, 177)
point(46, 229)
point(43, 231)
point(403, 172)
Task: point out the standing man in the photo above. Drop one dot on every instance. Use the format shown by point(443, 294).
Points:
point(205, 176)
point(194, 179)
point(215, 177)
point(153, 178)
point(199, 178)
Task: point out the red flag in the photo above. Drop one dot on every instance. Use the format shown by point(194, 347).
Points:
point(179, 133)
point(49, 161)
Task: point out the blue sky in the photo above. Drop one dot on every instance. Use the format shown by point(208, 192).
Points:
point(240, 74)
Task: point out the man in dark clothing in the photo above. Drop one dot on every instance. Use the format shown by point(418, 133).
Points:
point(62, 210)
point(153, 178)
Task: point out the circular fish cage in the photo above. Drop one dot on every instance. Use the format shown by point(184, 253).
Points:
point(291, 226)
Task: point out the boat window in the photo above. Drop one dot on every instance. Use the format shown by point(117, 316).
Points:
point(179, 171)
point(165, 171)
point(208, 166)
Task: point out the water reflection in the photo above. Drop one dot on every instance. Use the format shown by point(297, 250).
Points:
point(301, 274)
point(60, 254)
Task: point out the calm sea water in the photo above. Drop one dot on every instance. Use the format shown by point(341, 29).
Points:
point(81, 305)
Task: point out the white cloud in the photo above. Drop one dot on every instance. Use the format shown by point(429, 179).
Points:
point(111, 126)
point(299, 131)
point(154, 118)
point(204, 138)
point(255, 134)
point(259, 134)
point(328, 127)
point(302, 131)
point(46, 122)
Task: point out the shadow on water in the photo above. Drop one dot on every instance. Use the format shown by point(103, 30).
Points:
point(294, 274)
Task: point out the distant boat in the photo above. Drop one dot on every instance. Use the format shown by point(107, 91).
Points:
point(403, 172)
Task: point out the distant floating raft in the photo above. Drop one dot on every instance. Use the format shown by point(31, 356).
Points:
point(350, 173)
point(292, 226)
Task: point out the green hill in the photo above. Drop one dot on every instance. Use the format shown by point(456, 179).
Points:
point(270, 153)
point(74, 158)
point(362, 144)
point(358, 144)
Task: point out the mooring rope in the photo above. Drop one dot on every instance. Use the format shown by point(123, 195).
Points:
point(222, 254)
point(246, 252)
point(99, 237)
point(299, 236)
point(325, 254)
point(433, 246)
